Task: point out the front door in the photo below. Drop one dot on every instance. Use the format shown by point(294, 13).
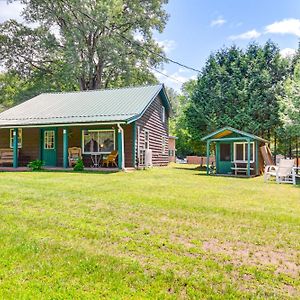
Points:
point(49, 145)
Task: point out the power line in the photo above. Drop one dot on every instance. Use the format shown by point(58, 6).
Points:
point(172, 78)
point(143, 47)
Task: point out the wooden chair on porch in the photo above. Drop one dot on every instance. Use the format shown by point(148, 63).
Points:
point(7, 156)
point(111, 159)
point(74, 155)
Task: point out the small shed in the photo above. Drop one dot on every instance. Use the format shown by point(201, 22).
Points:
point(172, 148)
point(237, 152)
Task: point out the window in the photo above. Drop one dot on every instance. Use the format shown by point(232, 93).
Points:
point(11, 138)
point(98, 141)
point(225, 152)
point(163, 114)
point(147, 139)
point(164, 145)
point(49, 142)
point(171, 152)
point(241, 152)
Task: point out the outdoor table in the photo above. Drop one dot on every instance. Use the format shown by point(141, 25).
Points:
point(96, 159)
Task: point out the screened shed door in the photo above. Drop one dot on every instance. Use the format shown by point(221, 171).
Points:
point(49, 146)
point(224, 158)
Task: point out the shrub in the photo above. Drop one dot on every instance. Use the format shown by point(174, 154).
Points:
point(36, 165)
point(79, 165)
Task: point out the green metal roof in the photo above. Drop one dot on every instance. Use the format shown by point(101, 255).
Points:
point(117, 105)
point(214, 135)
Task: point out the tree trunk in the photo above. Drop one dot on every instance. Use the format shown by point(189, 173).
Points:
point(290, 147)
point(297, 154)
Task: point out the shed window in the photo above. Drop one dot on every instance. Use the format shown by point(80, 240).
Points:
point(98, 141)
point(241, 152)
point(11, 138)
point(225, 152)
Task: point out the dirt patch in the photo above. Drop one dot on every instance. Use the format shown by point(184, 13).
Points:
point(184, 241)
point(248, 254)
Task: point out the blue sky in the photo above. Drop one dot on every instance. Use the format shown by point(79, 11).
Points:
point(198, 27)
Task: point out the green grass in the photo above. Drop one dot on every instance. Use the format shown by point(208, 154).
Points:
point(164, 233)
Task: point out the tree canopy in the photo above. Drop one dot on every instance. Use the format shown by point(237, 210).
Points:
point(239, 88)
point(99, 44)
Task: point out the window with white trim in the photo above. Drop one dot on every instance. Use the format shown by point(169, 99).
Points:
point(240, 152)
point(147, 143)
point(164, 145)
point(49, 139)
point(11, 138)
point(163, 114)
point(98, 141)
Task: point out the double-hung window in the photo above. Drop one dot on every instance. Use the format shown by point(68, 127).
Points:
point(11, 138)
point(147, 139)
point(241, 152)
point(164, 145)
point(163, 114)
point(98, 141)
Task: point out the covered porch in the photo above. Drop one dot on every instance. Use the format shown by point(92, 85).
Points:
point(237, 153)
point(21, 145)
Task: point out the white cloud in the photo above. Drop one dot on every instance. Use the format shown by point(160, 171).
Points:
point(167, 45)
point(287, 52)
point(218, 22)
point(248, 35)
point(11, 11)
point(285, 26)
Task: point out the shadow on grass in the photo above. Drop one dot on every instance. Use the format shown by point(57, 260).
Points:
point(196, 168)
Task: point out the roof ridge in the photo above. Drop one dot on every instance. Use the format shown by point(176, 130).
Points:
point(102, 90)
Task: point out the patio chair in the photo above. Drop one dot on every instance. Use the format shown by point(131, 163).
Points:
point(283, 172)
point(74, 155)
point(111, 159)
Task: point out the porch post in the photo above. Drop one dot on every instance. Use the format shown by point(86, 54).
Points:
point(15, 148)
point(248, 158)
point(207, 157)
point(120, 147)
point(65, 148)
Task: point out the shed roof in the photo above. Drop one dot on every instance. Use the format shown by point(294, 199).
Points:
point(225, 131)
point(118, 105)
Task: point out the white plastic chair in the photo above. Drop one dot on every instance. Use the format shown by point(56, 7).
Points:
point(283, 172)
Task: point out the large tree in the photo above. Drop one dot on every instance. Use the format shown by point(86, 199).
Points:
point(289, 133)
point(99, 43)
point(238, 88)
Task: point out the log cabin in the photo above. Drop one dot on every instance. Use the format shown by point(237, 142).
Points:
point(131, 121)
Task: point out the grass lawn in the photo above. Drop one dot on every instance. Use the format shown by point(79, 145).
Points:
point(164, 233)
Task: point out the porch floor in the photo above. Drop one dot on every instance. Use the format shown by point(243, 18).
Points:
point(25, 169)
